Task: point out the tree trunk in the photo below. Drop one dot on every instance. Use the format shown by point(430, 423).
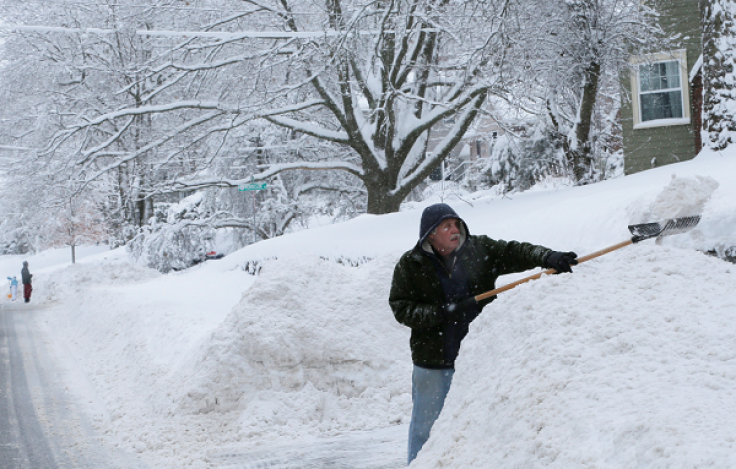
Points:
point(140, 212)
point(382, 203)
point(380, 198)
point(581, 157)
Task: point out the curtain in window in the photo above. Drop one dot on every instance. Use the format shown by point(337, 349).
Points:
point(660, 92)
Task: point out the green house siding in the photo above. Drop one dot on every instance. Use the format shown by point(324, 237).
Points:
point(650, 147)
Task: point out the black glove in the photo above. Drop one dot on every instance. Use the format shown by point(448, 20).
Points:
point(461, 310)
point(560, 261)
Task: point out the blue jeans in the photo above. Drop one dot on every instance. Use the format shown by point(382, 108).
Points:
point(428, 391)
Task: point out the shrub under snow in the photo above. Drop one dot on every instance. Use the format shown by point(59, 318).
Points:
point(177, 237)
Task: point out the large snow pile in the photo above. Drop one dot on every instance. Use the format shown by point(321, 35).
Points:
point(186, 363)
point(75, 281)
point(310, 346)
point(628, 362)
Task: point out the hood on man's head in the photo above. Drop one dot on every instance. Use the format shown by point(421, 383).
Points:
point(433, 215)
point(25, 263)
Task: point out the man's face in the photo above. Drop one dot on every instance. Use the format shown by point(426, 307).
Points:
point(446, 236)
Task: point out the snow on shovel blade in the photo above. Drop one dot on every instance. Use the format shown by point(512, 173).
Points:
point(666, 228)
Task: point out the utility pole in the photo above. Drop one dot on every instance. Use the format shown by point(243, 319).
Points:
point(72, 229)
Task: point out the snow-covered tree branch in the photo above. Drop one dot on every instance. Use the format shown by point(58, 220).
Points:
point(376, 82)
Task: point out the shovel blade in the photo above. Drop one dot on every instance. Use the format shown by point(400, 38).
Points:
point(665, 228)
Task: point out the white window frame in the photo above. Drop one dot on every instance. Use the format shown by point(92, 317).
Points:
point(681, 57)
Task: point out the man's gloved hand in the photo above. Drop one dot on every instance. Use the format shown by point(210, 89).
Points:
point(560, 261)
point(456, 311)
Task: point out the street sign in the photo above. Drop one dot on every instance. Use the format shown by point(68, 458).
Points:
point(253, 186)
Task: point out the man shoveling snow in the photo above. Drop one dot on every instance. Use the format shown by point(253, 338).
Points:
point(433, 292)
point(518, 430)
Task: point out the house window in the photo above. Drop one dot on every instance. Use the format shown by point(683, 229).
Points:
point(660, 91)
point(660, 87)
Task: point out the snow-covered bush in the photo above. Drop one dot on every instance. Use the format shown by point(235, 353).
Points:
point(612, 164)
point(177, 237)
point(13, 240)
point(518, 163)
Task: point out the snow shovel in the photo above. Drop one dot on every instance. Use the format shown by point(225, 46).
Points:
point(639, 232)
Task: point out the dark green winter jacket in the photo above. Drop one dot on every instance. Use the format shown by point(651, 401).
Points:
point(417, 296)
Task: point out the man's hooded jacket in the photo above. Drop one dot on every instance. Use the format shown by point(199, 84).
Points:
point(423, 282)
point(25, 274)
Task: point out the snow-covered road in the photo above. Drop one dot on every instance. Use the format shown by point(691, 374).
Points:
point(42, 425)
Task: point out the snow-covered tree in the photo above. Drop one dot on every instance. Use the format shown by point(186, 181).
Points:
point(583, 45)
point(177, 236)
point(516, 164)
point(341, 108)
point(371, 79)
point(40, 214)
point(719, 79)
point(292, 198)
point(60, 71)
point(84, 62)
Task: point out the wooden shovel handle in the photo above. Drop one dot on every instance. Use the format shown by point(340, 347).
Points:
point(580, 260)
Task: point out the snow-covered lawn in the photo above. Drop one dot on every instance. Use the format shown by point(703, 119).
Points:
point(628, 362)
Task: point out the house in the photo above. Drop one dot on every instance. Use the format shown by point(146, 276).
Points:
point(662, 120)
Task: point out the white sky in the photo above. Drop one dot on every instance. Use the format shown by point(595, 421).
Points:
point(628, 362)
